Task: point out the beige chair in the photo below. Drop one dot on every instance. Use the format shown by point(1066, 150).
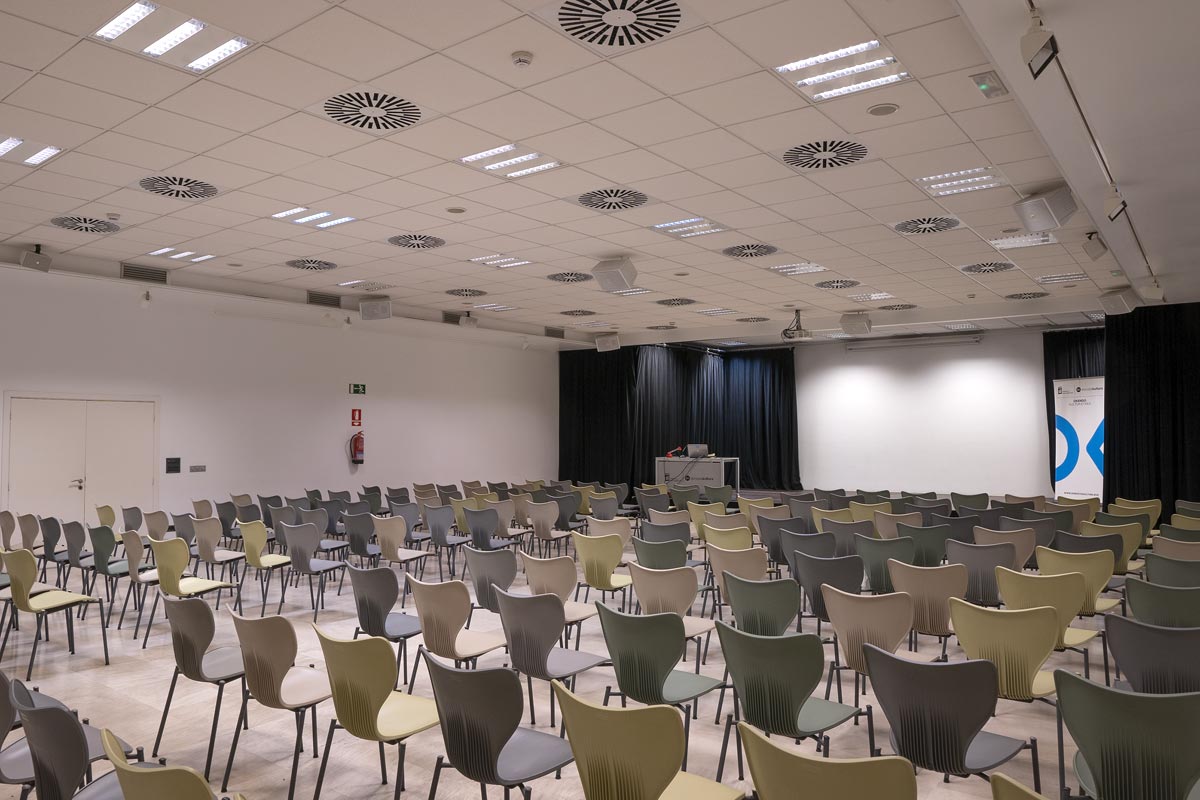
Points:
point(506, 510)
point(728, 538)
point(883, 620)
point(885, 523)
point(931, 589)
point(208, 537)
point(203, 509)
point(1005, 788)
point(392, 533)
point(444, 609)
point(1017, 642)
point(241, 499)
point(672, 591)
point(1039, 502)
point(1151, 507)
point(1131, 535)
point(1066, 594)
point(274, 681)
point(254, 538)
point(749, 563)
point(1024, 540)
point(559, 577)
point(172, 557)
point(1174, 548)
point(1185, 522)
point(745, 504)
point(140, 782)
point(670, 517)
point(618, 526)
point(599, 556)
point(157, 525)
point(140, 580)
point(1095, 567)
point(521, 510)
point(819, 515)
point(543, 517)
point(697, 512)
point(770, 512)
point(735, 520)
point(865, 512)
point(1081, 511)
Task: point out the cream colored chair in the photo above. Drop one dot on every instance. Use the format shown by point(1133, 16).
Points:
point(931, 589)
point(444, 609)
point(543, 517)
point(698, 511)
point(618, 526)
point(1024, 540)
point(392, 533)
point(819, 515)
point(1185, 522)
point(770, 512)
point(885, 523)
point(883, 620)
point(745, 504)
point(748, 563)
point(1151, 507)
point(728, 538)
point(1039, 502)
point(559, 577)
point(865, 512)
point(1173, 548)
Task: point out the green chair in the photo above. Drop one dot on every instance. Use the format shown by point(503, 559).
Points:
point(644, 651)
point(1179, 534)
point(1066, 594)
point(1130, 745)
point(660, 555)
point(764, 608)
point(875, 554)
point(1167, 606)
point(1174, 572)
point(980, 500)
point(774, 678)
point(929, 542)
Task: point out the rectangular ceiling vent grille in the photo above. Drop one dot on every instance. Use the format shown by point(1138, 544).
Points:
point(323, 299)
point(451, 317)
point(556, 333)
point(132, 272)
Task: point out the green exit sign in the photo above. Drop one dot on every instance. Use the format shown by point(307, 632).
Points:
point(358, 388)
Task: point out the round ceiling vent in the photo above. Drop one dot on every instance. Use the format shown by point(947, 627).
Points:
point(466, 292)
point(749, 250)
point(898, 307)
point(754, 319)
point(988, 267)
point(416, 241)
point(660, 327)
point(619, 23)
point(926, 225)
point(312, 264)
point(612, 199)
point(570, 277)
point(182, 188)
point(675, 301)
point(837, 283)
point(578, 312)
point(85, 224)
point(372, 111)
point(825, 154)
point(1026, 296)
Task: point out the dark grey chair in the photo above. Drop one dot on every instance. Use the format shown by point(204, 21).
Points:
point(227, 513)
point(837, 502)
point(298, 503)
point(980, 500)
point(333, 515)
point(51, 535)
point(981, 561)
point(1073, 543)
point(265, 504)
point(374, 502)
point(929, 543)
point(763, 608)
point(192, 630)
point(303, 543)
point(1155, 659)
point(651, 501)
point(845, 533)
point(481, 525)
point(1065, 520)
point(769, 531)
point(568, 505)
point(480, 716)
point(936, 712)
point(928, 509)
point(411, 513)
point(821, 545)
point(1013, 509)
point(1178, 534)
point(665, 532)
point(682, 495)
point(343, 496)
point(962, 527)
point(603, 507)
point(875, 554)
point(288, 515)
point(320, 518)
point(988, 517)
point(845, 573)
point(185, 529)
point(360, 530)
point(313, 495)
point(718, 494)
point(132, 517)
point(78, 557)
point(803, 509)
point(490, 570)
point(358, 507)
point(375, 593)
point(919, 495)
point(1043, 530)
point(1174, 572)
point(440, 521)
point(533, 628)
point(400, 495)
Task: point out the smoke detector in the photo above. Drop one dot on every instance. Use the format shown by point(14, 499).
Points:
point(522, 59)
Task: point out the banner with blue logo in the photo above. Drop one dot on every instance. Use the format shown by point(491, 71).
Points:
point(1079, 442)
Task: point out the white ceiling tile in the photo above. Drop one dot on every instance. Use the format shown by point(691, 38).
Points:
point(280, 78)
point(562, 181)
point(912, 137)
point(984, 198)
point(937, 162)
point(553, 213)
point(851, 112)
point(439, 83)
point(335, 174)
point(447, 138)
point(11, 77)
point(516, 116)
point(250, 151)
point(453, 178)
point(506, 223)
point(127, 149)
point(795, 29)
point(157, 125)
point(854, 176)
point(1035, 170)
point(141, 200)
point(260, 21)
point(223, 106)
point(105, 170)
point(435, 25)
point(937, 47)
point(714, 204)
point(400, 193)
point(630, 167)
point(246, 203)
point(92, 64)
point(44, 181)
point(687, 61)
point(1014, 147)
point(820, 206)
point(883, 195)
point(595, 91)
point(986, 122)
point(746, 171)
point(211, 215)
point(221, 174)
point(677, 186)
point(387, 157)
point(349, 45)
point(29, 45)
point(306, 132)
point(797, 187)
point(955, 91)
point(491, 52)
point(655, 122)
point(75, 16)
point(751, 97)
point(72, 102)
point(888, 16)
point(507, 195)
point(788, 130)
point(286, 191)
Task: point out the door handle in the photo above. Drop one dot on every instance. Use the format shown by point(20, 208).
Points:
point(77, 484)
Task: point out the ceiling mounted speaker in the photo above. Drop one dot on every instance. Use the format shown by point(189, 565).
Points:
point(1122, 301)
point(375, 309)
point(1046, 211)
point(36, 260)
point(1094, 246)
point(615, 274)
point(607, 341)
point(856, 324)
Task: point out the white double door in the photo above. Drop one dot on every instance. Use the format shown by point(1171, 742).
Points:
point(65, 457)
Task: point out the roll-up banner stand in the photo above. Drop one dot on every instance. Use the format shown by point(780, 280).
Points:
point(1079, 441)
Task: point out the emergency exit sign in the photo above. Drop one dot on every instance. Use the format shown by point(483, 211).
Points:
point(358, 388)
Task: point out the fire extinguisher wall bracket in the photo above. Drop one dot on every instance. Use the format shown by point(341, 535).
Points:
point(357, 448)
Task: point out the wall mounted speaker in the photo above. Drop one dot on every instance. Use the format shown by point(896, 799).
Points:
point(856, 324)
point(38, 261)
point(615, 274)
point(1046, 211)
point(375, 309)
point(607, 341)
point(1121, 301)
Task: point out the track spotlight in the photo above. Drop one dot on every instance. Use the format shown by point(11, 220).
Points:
point(1038, 46)
point(1114, 204)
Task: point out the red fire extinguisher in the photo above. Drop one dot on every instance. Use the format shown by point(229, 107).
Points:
point(358, 444)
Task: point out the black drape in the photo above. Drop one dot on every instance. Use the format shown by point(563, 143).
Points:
point(1152, 414)
point(618, 411)
point(1067, 355)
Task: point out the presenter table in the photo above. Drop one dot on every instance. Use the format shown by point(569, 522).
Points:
point(708, 471)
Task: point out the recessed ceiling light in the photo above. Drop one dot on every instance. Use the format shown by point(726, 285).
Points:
point(495, 307)
point(660, 327)
point(630, 291)
point(160, 251)
point(289, 212)
point(961, 326)
point(700, 233)
point(495, 151)
point(338, 221)
point(862, 87)
point(949, 175)
point(732, 344)
point(754, 319)
point(837, 335)
point(311, 217)
point(184, 254)
point(485, 258)
point(976, 188)
point(1024, 240)
point(508, 162)
point(846, 71)
point(201, 258)
point(1026, 296)
point(801, 268)
point(679, 222)
point(962, 182)
point(9, 144)
point(466, 293)
point(45, 154)
point(126, 20)
point(578, 312)
point(219, 54)
point(1095, 316)
point(367, 286)
point(175, 38)
point(864, 297)
point(1062, 277)
point(716, 312)
point(539, 168)
point(833, 55)
point(593, 324)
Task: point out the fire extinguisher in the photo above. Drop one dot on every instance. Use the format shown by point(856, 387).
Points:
point(358, 444)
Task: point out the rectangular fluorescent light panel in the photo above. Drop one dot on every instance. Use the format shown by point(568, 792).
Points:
point(160, 251)
point(311, 217)
point(961, 326)
point(1062, 277)
point(495, 307)
point(338, 221)
point(126, 20)
point(797, 269)
point(45, 154)
point(833, 55)
point(175, 38)
point(846, 72)
point(717, 312)
point(1095, 316)
point(862, 87)
point(731, 344)
point(974, 188)
point(369, 286)
point(184, 254)
point(485, 258)
point(630, 292)
point(508, 162)
point(539, 168)
point(679, 222)
point(949, 175)
point(865, 297)
point(1023, 240)
point(219, 54)
point(201, 258)
point(837, 335)
point(10, 143)
point(592, 324)
point(495, 151)
point(700, 233)
point(289, 212)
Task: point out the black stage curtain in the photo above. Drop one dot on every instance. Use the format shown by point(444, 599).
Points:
point(1152, 419)
point(618, 411)
point(1067, 355)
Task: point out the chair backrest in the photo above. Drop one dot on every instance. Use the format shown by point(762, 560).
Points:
point(1044, 531)
point(750, 563)
point(846, 534)
point(929, 543)
point(30, 530)
point(981, 561)
point(1038, 501)
point(208, 535)
point(935, 710)
point(1189, 521)
point(192, 631)
point(1181, 534)
point(333, 509)
point(651, 501)
point(1069, 519)
point(557, 576)
point(1176, 572)
point(132, 518)
point(980, 500)
point(316, 516)
point(344, 496)
point(57, 745)
point(819, 515)
point(1135, 745)
point(804, 508)
point(774, 676)
point(1123, 506)
point(266, 503)
point(241, 499)
point(391, 533)
point(481, 525)
point(491, 570)
point(876, 553)
point(919, 495)
point(599, 556)
point(104, 544)
point(1095, 566)
point(962, 528)
point(696, 511)
point(226, 512)
point(375, 592)
point(931, 589)
point(298, 503)
point(184, 527)
point(1131, 534)
point(1023, 540)
point(533, 625)
point(681, 495)
point(398, 495)
point(1155, 659)
point(883, 620)
point(644, 650)
point(670, 517)
point(287, 514)
point(664, 591)
point(769, 532)
point(543, 517)
point(439, 520)
point(845, 573)
point(728, 538)
point(1177, 549)
point(178, 783)
point(106, 514)
point(568, 505)
point(443, 609)
point(777, 773)
point(663, 532)
point(1017, 642)
point(254, 539)
point(865, 512)
point(1167, 606)
point(1065, 593)
point(51, 530)
point(172, 557)
point(303, 542)
point(22, 572)
point(821, 545)
point(362, 674)
point(1073, 543)
point(618, 526)
point(660, 555)
point(76, 537)
point(505, 513)
point(479, 711)
point(886, 523)
point(762, 607)
point(249, 513)
point(268, 651)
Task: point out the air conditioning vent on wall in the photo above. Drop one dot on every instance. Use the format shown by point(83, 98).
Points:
point(324, 299)
point(556, 333)
point(132, 272)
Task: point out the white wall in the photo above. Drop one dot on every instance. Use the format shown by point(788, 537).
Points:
point(264, 403)
point(965, 418)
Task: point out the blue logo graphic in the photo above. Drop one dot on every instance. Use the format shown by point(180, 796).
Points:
point(1095, 448)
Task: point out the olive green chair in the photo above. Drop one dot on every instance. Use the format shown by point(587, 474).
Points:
point(600, 556)
point(1017, 642)
point(1130, 745)
point(929, 542)
point(1154, 659)
point(633, 753)
point(728, 538)
point(778, 773)
point(1131, 533)
point(764, 608)
point(1175, 572)
point(1189, 521)
point(865, 512)
point(1167, 606)
point(1180, 534)
point(660, 555)
point(876, 553)
point(139, 782)
point(1005, 788)
point(1066, 594)
point(819, 515)
point(1094, 566)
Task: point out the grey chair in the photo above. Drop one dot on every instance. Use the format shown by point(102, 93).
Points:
point(937, 711)
point(1174, 572)
point(313, 495)
point(374, 502)
point(1015, 507)
point(344, 496)
point(400, 495)
point(333, 515)
point(298, 503)
point(929, 543)
point(820, 545)
point(51, 535)
point(718, 494)
point(358, 507)
point(763, 608)
point(375, 593)
point(78, 556)
point(1155, 659)
point(287, 514)
point(266, 504)
point(768, 532)
point(845, 533)
point(988, 517)
point(1178, 534)
point(981, 500)
point(875, 554)
point(920, 495)
point(981, 561)
point(1074, 543)
point(650, 501)
point(440, 521)
point(838, 501)
point(482, 525)
point(665, 532)
point(603, 507)
point(1044, 531)
point(803, 509)
point(533, 628)
point(568, 505)
point(132, 517)
point(845, 573)
point(479, 712)
point(360, 530)
point(303, 543)
point(411, 513)
point(670, 554)
point(1065, 520)
point(682, 495)
point(192, 630)
point(227, 513)
point(320, 518)
point(490, 570)
point(962, 527)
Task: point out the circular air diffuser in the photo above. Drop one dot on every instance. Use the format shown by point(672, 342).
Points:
point(312, 264)
point(85, 225)
point(676, 301)
point(466, 292)
point(926, 225)
point(1026, 296)
point(825, 154)
point(372, 111)
point(182, 188)
point(749, 250)
point(416, 241)
point(612, 199)
point(837, 283)
point(988, 267)
point(570, 277)
point(578, 312)
point(619, 23)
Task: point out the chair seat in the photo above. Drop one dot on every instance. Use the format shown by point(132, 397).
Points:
point(373, 550)
point(273, 560)
point(106, 787)
point(417, 537)
point(455, 541)
point(189, 587)
point(35, 589)
point(320, 565)
point(563, 663)
point(555, 536)
point(303, 687)
point(616, 581)
point(222, 663)
point(688, 786)
point(819, 714)
point(17, 765)
point(227, 556)
point(404, 714)
point(697, 626)
point(682, 686)
point(989, 750)
point(1087, 780)
point(150, 576)
point(471, 644)
point(531, 754)
point(332, 545)
point(403, 555)
point(1043, 684)
point(578, 612)
point(1104, 604)
point(500, 544)
point(56, 599)
point(1074, 637)
point(401, 626)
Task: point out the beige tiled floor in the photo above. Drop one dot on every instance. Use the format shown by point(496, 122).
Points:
point(128, 696)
